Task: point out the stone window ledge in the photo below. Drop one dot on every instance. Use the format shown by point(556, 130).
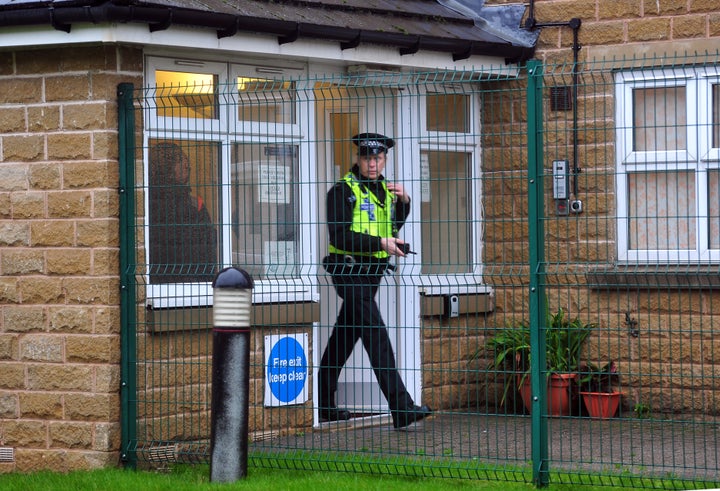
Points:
point(655, 277)
point(198, 318)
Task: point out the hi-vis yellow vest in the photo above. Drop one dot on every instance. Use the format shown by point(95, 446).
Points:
point(369, 217)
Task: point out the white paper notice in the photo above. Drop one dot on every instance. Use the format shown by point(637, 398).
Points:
point(425, 178)
point(273, 185)
point(279, 258)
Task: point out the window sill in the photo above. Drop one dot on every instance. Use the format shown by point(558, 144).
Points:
point(201, 318)
point(654, 277)
point(191, 295)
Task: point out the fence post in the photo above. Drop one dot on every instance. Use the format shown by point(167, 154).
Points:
point(232, 302)
point(537, 264)
point(128, 251)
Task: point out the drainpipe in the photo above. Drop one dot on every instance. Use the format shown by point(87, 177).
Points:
point(574, 24)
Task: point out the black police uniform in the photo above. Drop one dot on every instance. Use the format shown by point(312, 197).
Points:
point(356, 281)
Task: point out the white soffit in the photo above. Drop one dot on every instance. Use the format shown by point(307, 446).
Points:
point(181, 39)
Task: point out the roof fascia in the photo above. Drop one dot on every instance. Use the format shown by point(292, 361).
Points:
point(181, 39)
point(159, 18)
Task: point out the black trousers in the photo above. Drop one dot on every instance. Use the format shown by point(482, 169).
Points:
point(359, 318)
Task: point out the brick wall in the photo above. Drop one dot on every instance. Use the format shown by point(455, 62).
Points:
point(671, 365)
point(637, 25)
point(174, 387)
point(59, 294)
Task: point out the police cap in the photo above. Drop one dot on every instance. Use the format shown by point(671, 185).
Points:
point(372, 143)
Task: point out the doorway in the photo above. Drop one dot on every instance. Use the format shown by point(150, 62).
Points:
point(345, 112)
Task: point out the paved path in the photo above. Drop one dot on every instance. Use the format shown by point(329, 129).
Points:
point(647, 447)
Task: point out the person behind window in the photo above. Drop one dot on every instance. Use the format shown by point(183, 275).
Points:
point(183, 240)
point(364, 214)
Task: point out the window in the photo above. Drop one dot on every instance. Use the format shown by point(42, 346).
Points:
point(448, 113)
point(266, 100)
point(668, 163)
point(450, 194)
point(265, 218)
point(445, 213)
point(182, 210)
point(186, 94)
point(222, 153)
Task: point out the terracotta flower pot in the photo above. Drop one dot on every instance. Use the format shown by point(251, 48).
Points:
point(525, 390)
point(601, 404)
point(558, 393)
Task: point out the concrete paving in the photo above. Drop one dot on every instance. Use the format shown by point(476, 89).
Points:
point(681, 447)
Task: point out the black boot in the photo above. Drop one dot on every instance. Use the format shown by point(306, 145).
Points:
point(334, 414)
point(406, 417)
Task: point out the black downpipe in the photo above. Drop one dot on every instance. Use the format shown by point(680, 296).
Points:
point(574, 24)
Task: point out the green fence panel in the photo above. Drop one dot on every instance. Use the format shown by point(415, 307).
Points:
point(566, 220)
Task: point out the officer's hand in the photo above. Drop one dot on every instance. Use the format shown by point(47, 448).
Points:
point(391, 246)
point(399, 191)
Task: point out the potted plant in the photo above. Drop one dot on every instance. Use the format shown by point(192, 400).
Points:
point(564, 339)
point(598, 389)
point(510, 349)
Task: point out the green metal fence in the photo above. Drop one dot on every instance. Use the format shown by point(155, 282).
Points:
point(567, 219)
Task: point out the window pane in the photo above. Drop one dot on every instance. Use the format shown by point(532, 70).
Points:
point(265, 209)
point(446, 214)
point(661, 213)
point(343, 127)
point(182, 210)
point(265, 100)
point(448, 112)
point(714, 207)
point(659, 119)
point(186, 95)
point(716, 116)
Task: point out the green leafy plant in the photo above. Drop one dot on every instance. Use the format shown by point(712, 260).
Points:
point(511, 350)
point(641, 410)
point(511, 353)
point(564, 341)
point(594, 378)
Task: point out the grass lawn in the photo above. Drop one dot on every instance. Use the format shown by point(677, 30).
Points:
point(197, 478)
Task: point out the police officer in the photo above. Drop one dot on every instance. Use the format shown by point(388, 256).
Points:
point(364, 214)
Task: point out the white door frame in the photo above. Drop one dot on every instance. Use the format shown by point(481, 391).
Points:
point(398, 304)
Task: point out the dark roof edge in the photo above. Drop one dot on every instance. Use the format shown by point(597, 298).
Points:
point(160, 18)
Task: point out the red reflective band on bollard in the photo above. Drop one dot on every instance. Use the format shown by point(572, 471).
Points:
point(225, 329)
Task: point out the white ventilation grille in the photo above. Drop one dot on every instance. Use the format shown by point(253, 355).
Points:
point(163, 453)
point(7, 454)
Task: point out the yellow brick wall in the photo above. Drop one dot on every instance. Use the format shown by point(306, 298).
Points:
point(676, 324)
point(636, 25)
point(59, 291)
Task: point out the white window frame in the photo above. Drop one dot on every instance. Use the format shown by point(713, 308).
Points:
point(698, 157)
point(467, 142)
point(226, 130)
point(184, 126)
